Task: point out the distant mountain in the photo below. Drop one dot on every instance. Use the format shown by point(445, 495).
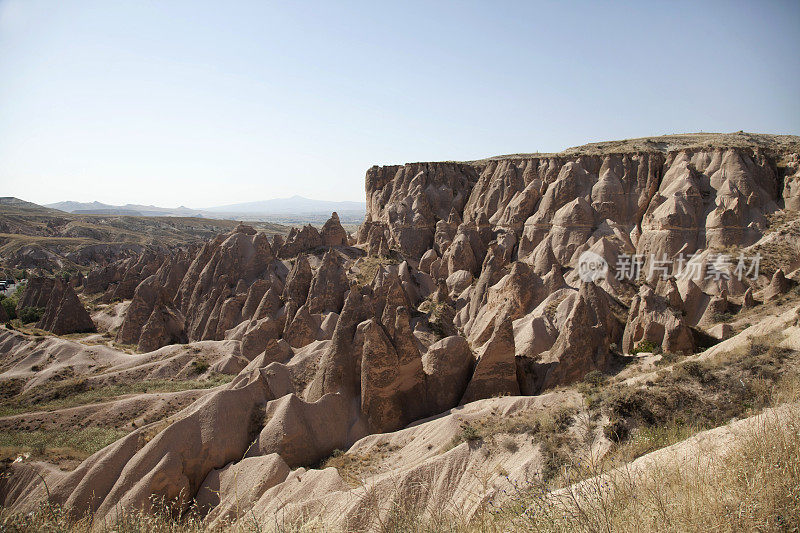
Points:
point(97, 208)
point(293, 211)
point(112, 211)
point(294, 205)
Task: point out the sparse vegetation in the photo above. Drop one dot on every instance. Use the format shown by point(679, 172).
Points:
point(368, 266)
point(753, 486)
point(79, 391)
point(722, 317)
point(200, 366)
point(645, 346)
point(594, 378)
point(82, 442)
point(468, 433)
point(30, 314)
point(354, 466)
point(549, 427)
point(696, 395)
point(9, 306)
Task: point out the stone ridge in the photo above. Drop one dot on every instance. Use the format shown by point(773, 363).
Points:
point(671, 143)
point(415, 206)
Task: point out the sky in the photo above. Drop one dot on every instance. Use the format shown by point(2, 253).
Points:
point(199, 103)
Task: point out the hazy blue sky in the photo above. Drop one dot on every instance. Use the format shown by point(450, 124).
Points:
point(207, 103)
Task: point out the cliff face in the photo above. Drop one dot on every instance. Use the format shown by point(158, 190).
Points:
point(411, 199)
point(662, 202)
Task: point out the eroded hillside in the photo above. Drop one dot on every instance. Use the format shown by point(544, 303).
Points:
point(455, 351)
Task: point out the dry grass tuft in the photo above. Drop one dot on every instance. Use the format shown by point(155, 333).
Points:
point(755, 486)
point(368, 266)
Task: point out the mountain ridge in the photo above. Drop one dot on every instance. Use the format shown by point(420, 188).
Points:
point(282, 206)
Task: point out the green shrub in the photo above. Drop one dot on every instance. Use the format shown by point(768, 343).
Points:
point(199, 366)
point(469, 433)
point(645, 346)
point(30, 314)
point(594, 378)
point(10, 307)
point(722, 317)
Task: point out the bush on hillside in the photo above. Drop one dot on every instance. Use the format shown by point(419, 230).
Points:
point(10, 306)
point(30, 314)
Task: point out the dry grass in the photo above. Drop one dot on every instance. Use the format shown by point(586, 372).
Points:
point(78, 391)
point(780, 251)
point(355, 467)
point(755, 486)
point(56, 443)
point(549, 427)
point(695, 395)
point(368, 266)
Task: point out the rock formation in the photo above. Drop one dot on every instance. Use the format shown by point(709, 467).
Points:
point(118, 280)
point(651, 318)
point(63, 312)
point(471, 290)
point(37, 292)
point(302, 240)
point(332, 232)
point(778, 285)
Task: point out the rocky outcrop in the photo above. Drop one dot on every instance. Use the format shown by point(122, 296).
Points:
point(118, 280)
point(778, 285)
point(681, 201)
point(152, 319)
point(37, 293)
point(653, 319)
point(328, 286)
point(584, 328)
point(171, 463)
point(214, 290)
point(407, 202)
point(495, 370)
point(392, 376)
point(200, 294)
point(747, 300)
point(338, 368)
point(300, 240)
point(332, 232)
point(448, 366)
point(299, 281)
point(302, 329)
point(64, 313)
point(302, 432)
point(258, 334)
point(258, 474)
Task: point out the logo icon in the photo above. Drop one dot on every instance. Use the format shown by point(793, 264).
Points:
point(592, 267)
